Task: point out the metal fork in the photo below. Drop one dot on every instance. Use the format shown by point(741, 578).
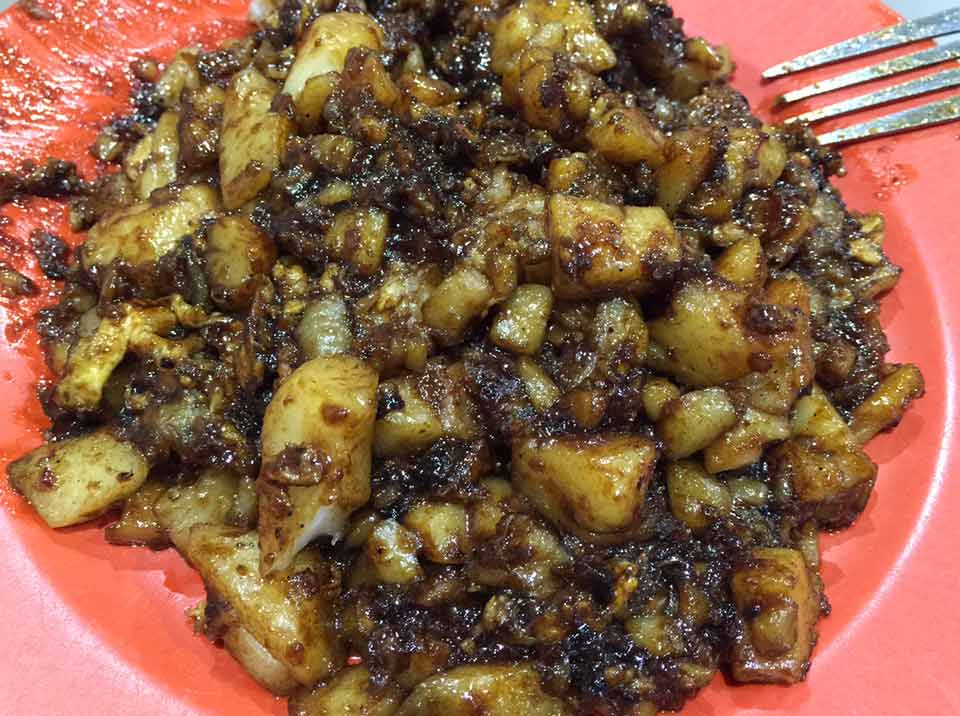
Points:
point(939, 112)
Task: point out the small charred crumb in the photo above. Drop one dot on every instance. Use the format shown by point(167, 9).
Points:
point(448, 469)
point(388, 400)
point(35, 10)
point(181, 271)
point(592, 654)
point(106, 192)
point(499, 391)
point(48, 480)
point(299, 465)
point(218, 65)
point(54, 179)
point(14, 284)
point(310, 583)
point(396, 631)
point(52, 254)
point(147, 107)
point(800, 137)
point(290, 16)
point(767, 319)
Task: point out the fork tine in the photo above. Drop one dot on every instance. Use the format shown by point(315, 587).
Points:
point(924, 58)
point(941, 112)
point(914, 88)
point(941, 23)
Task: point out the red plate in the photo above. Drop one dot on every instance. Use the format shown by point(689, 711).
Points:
point(95, 629)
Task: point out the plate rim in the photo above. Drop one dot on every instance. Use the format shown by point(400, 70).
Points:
point(27, 580)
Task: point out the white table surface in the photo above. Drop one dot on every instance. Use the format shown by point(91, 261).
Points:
point(919, 8)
